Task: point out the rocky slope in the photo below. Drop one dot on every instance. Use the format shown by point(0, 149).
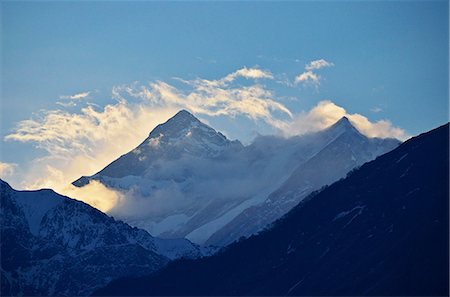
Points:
point(382, 231)
point(54, 245)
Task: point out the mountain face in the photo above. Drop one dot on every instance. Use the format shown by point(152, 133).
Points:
point(54, 245)
point(187, 180)
point(181, 135)
point(383, 230)
point(346, 149)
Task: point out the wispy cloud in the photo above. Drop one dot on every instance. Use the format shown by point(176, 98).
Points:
point(376, 109)
point(7, 169)
point(66, 104)
point(318, 64)
point(309, 76)
point(83, 142)
point(249, 73)
point(78, 96)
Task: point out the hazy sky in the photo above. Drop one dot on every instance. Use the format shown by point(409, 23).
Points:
point(83, 82)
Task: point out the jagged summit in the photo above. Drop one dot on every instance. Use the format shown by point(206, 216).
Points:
point(181, 135)
point(178, 125)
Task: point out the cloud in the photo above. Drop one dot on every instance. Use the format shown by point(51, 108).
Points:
point(214, 97)
point(326, 113)
point(309, 77)
point(66, 104)
point(318, 64)
point(376, 109)
point(7, 169)
point(84, 141)
point(94, 194)
point(78, 96)
point(249, 73)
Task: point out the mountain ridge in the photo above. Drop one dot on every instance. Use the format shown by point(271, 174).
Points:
point(188, 161)
point(49, 240)
point(383, 230)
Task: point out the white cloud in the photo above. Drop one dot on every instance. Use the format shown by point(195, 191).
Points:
point(67, 104)
point(213, 97)
point(78, 96)
point(83, 142)
point(326, 113)
point(376, 109)
point(318, 64)
point(249, 73)
point(309, 77)
point(7, 169)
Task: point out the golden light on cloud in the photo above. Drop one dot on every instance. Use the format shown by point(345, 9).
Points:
point(326, 113)
point(7, 169)
point(82, 143)
point(94, 194)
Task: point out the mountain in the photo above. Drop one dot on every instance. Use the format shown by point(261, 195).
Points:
point(54, 245)
point(187, 180)
point(346, 149)
point(383, 230)
point(183, 134)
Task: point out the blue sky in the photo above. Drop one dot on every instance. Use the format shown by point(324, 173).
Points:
point(386, 61)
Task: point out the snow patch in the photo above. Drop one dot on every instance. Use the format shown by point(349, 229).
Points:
point(35, 205)
point(343, 214)
point(401, 158)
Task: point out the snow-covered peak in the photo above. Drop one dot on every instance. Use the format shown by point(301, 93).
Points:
point(185, 130)
point(341, 126)
point(174, 126)
point(34, 204)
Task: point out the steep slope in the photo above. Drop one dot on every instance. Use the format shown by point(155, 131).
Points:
point(346, 149)
point(187, 180)
point(383, 230)
point(183, 134)
point(54, 245)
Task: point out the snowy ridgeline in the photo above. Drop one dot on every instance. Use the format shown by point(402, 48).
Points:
point(381, 231)
point(54, 245)
point(188, 181)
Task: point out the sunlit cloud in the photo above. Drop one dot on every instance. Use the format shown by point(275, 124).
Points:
point(249, 73)
point(83, 142)
point(94, 194)
point(7, 169)
point(318, 64)
point(309, 77)
point(78, 96)
point(326, 113)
